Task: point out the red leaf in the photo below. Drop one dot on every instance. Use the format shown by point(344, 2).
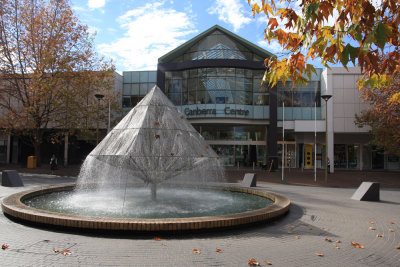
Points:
point(253, 262)
point(4, 246)
point(328, 239)
point(356, 245)
point(156, 123)
point(157, 239)
point(66, 252)
point(157, 136)
point(196, 251)
point(219, 250)
point(319, 254)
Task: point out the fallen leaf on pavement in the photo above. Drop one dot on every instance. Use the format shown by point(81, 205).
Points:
point(319, 254)
point(338, 241)
point(379, 235)
point(56, 250)
point(268, 263)
point(297, 237)
point(328, 239)
point(289, 232)
point(157, 238)
point(253, 262)
point(392, 223)
point(372, 222)
point(196, 251)
point(66, 252)
point(398, 247)
point(391, 230)
point(337, 247)
point(371, 228)
point(356, 245)
point(219, 250)
point(4, 246)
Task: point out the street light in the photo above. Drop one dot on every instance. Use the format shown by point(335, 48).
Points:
point(326, 98)
point(98, 97)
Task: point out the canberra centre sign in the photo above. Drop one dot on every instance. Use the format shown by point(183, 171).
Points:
point(227, 111)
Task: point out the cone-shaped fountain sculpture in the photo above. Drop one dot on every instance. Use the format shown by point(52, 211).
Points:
point(153, 143)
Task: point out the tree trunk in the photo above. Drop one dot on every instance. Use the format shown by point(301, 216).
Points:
point(37, 141)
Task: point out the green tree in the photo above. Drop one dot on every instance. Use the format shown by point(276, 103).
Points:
point(49, 71)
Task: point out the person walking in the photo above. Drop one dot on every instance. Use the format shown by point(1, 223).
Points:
point(53, 163)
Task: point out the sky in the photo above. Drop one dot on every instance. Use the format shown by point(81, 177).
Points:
point(134, 34)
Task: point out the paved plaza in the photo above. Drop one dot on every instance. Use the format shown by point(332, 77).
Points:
point(318, 231)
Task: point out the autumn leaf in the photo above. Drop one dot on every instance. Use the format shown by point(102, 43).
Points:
point(56, 250)
point(379, 235)
point(371, 228)
point(398, 247)
point(319, 254)
point(289, 232)
point(218, 250)
point(156, 124)
point(391, 230)
point(182, 117)
point(268, 263)
point(328, 239)
point(66, 252)
point(253, 262)
point(356, 245)
point(157, 238)
point(371, 222)
point(196, 251)
point(297, 237)
point(392, 223)
point(4, 246)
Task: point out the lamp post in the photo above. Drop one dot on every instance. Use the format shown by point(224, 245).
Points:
point(98, 97)
point(326, 98)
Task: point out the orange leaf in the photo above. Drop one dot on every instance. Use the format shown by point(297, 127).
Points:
point(219, 250)
point(392, 223)
point(337, 247)
point(372, 222)
point(273, 23)
point(157, 238)
point(268, 263)
point(196, 251)
point(4, 246)
point(253, 262)
point(328, 239)
point(356, 245)
point(338, 241)
point(391, 230)
point(398, 247)
point(297, 237)
point(56, 250)
point(379, 235)
point(66, 252)
point(371, 228)
point(182, 117)
point(320, 254)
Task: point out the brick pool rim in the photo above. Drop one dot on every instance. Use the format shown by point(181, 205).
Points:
point(14, 207)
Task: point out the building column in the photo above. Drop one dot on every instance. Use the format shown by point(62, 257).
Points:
point(8, 156)
point(272, 138)
point(66, 150)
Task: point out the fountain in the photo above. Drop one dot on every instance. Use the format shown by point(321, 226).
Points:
point(153, 143)
point(152, 172)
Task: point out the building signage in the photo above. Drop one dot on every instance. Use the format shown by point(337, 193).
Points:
point(212, 111)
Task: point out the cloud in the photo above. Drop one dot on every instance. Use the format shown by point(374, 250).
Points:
point(231, 12)
point(96, 3)
point(151, 31)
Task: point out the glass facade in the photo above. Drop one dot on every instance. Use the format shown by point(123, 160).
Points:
point(136, 84)
point(218, 45)
point(216, 86)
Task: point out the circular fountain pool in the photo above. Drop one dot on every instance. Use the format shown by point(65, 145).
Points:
point(216, 208)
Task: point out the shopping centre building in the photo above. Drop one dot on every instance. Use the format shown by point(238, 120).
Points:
point(215, 79)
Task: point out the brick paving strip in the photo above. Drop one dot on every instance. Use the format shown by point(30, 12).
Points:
point(317, 215)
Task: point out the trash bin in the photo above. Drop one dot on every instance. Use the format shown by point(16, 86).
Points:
point(31, 162)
